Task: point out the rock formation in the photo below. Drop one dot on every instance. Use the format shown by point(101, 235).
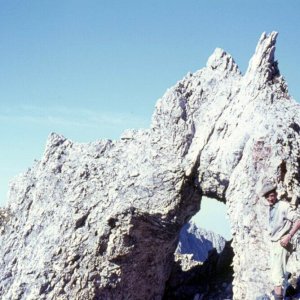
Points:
point(198, 242)
point(101, 220)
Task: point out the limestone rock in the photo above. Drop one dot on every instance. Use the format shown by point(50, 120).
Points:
point(101, 220)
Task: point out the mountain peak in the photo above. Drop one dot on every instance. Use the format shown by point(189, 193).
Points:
point(221, 60)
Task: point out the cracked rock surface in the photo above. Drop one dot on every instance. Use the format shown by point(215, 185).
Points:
point(101, 220)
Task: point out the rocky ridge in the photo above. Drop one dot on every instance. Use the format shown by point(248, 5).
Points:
point(90, 221)
point(198, 242)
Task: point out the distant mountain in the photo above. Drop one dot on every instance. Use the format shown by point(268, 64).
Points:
point(199, 242)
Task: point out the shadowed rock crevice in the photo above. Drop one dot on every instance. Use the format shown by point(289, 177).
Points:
point(211, 280)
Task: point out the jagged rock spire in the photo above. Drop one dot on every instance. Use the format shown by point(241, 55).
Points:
point(263, 65)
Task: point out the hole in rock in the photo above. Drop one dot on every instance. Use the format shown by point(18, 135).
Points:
point(203, 258)
point(213, 217)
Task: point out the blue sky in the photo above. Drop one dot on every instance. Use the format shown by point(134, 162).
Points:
point(90, 69)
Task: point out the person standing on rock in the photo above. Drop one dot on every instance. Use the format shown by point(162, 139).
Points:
point(284, 222)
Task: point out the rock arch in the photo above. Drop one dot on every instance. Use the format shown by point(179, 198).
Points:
point(101, 220)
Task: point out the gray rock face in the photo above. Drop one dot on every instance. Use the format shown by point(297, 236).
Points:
point(102, 220)
point(198, 242)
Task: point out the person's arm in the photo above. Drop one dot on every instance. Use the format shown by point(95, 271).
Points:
point(286, 238)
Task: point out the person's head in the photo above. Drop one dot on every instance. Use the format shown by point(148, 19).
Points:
point(269, 193)
point(271, 197)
